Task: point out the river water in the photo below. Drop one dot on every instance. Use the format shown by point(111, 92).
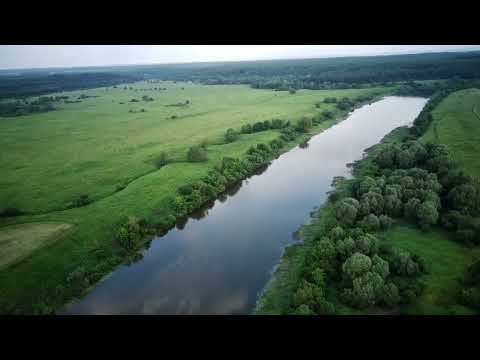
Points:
point(221, 258)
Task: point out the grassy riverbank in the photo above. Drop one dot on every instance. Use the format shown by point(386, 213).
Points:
point(443, 257)
point(98, 148)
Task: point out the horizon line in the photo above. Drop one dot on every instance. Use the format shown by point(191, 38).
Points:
point(242, 60)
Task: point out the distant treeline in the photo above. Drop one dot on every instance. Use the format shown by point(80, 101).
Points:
point(19, 86)
point(21, 107)
point(334, 73)
point(345, 72)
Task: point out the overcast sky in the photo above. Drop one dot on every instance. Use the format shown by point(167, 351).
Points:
point(40, 56)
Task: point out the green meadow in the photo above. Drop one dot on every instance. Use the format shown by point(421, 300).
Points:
point(456, 124)
point(99, 148)
point(446, 261)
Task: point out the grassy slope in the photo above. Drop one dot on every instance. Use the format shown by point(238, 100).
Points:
point(446, 262)
point(91, 147)
point(456, 124)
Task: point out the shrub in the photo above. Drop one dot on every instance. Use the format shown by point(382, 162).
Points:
point(131, 233)
point(197, 154)
point(258, 126)
point(231, 135)
point(304, 125)
point(246, 129)
point(185, 189)
point(161, 160)
point(82, 200)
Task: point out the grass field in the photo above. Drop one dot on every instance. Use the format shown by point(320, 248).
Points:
point(456, 124)
point(446, 262)
point(93, 147)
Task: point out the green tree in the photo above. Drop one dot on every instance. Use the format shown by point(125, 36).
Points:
point(370, 223)
point(380, 266)
point(356, 265)
point(427, 214)
point(197, 154)
point(161, 160)
point(346, 210)
point(304, 125)
point(231, 136)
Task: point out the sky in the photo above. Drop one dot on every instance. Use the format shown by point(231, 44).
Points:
point(45, 56)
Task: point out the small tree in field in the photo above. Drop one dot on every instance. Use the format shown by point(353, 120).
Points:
point(197, 154)
point(161, 160)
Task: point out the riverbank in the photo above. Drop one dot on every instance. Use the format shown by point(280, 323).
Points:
point(435, 289)
point(278, 296)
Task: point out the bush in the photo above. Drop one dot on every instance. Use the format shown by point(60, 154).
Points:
point(330, 100)
point(197, 154)
point(258, 126)
point(185, 189)
point(304, 125)
point(161, 160)
point(231, 135)
point(131, 233)
point(82, 200)
point(246, 129)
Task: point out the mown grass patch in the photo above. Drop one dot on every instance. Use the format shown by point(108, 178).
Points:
point(19, 241)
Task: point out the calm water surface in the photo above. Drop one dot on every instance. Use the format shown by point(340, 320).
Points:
point(219, 260)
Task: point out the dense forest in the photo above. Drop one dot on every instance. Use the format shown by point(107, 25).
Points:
point(333, 73)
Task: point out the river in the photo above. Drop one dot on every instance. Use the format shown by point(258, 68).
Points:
point(221, 258)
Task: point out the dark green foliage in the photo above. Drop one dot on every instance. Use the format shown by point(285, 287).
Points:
point(310, 296)
point(161, 160)
point(403, 264)
point(427, 214)
point(258, 126)
point(304, 125)
point(385, 222)
point(346, 210)
point(246, 129)
point(185, 189)
point(330, 100)
point(277, 124)
point(327, 114)
point(370, 223)
point(345, 104)
point(231, 135)
point(8, 212)
point(197, 154)
point(131, 233)
point(464, 198)
point(82, 200)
